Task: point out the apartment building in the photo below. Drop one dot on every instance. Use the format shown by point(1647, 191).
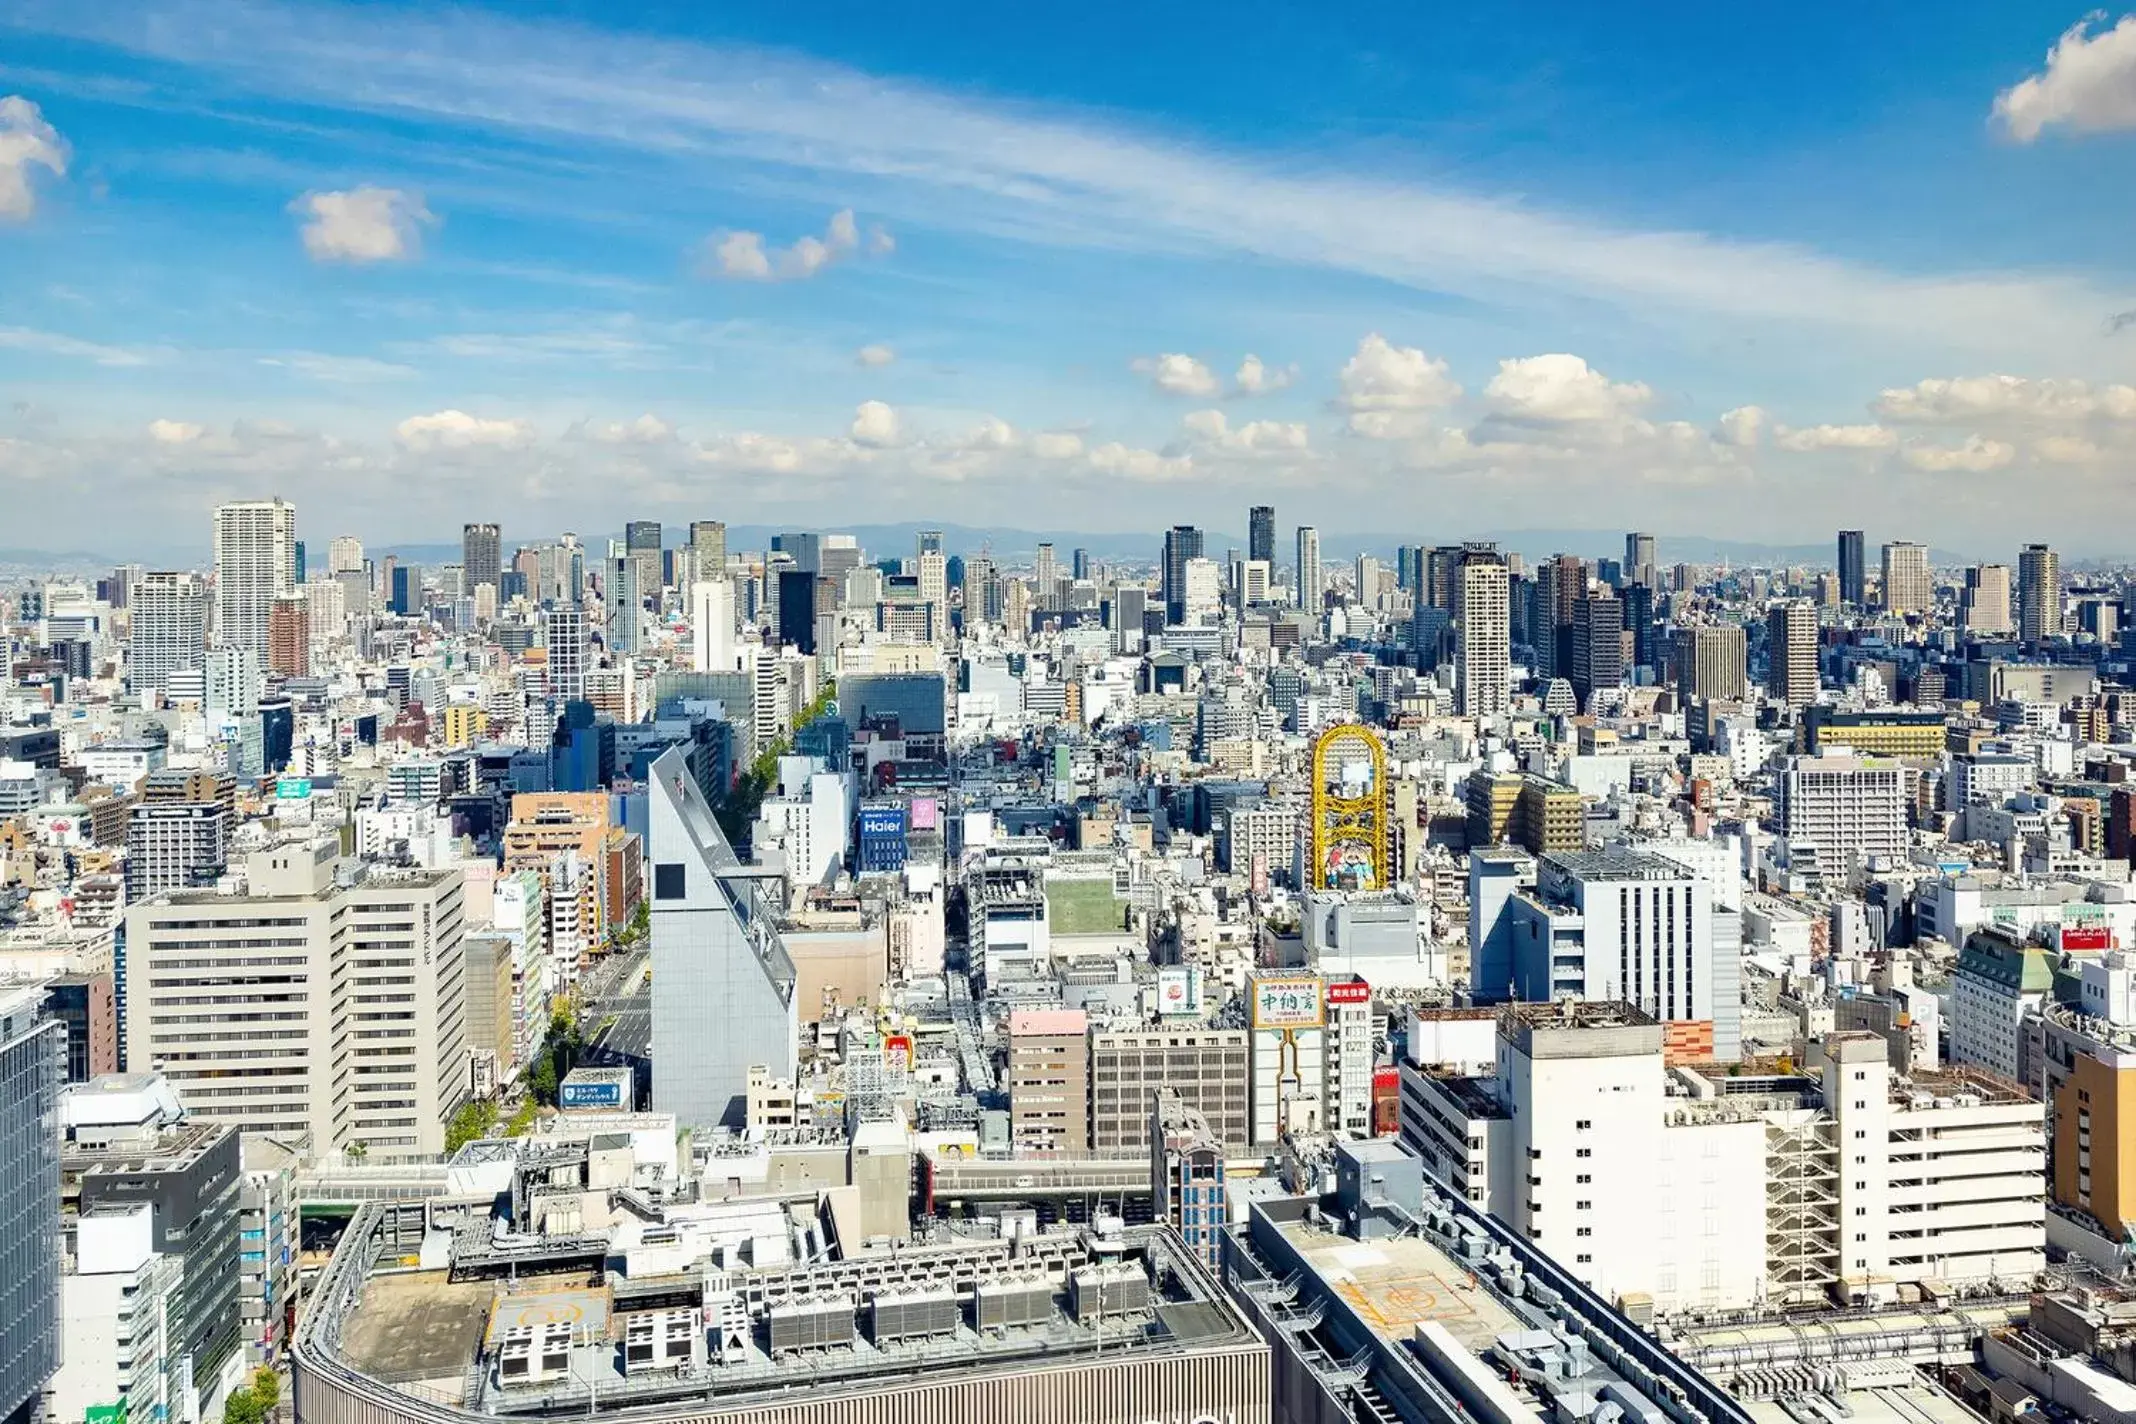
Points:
point(1049, 1081)
point(1840, 812)
point(323, 998)
point(563, 836)
point(1128, 1066)
point(1530, 811)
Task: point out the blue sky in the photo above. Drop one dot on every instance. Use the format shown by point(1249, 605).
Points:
point(1701, 271)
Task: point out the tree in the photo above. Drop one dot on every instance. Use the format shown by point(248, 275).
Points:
point(474, 1121)
point(253, 1403)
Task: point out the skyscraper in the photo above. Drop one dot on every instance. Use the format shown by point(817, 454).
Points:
point(255, 563)
point(1597, 646)
point(289, 637)
point(1908, 587)
point(624, 602)
point(1079, 564)
point(712, 623)
point(33, 1055)
point(168, 616)
point(481, 556)
point(1261, 532)
point(708, 542)
point(797, 609)
point(1484, 650)
point(2039, 595)
point(1852, 570)
point(344, 555)
point(1710, 663)
point(1309, 584)
point(1791, 648)
point(568, 652)
point(1984, 608)
point(1045, 572)
point(930, 542)
point(1639, 559)
point(641, 539)
point(1181, 543)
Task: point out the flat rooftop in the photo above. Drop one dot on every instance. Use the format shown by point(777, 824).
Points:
point(1397, 1283)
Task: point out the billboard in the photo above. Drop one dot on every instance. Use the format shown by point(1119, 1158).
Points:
point(1288, 1002)
point(590, 1093)
point(1349, 991)
point(1179, 991)
point(2081, 938)
point(292, 788)
point(926, 813)
point(882, 821)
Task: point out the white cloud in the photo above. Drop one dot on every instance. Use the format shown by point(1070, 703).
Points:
point(2089, 84)
point(1383, 376)
point(751, 451)
point(1963, 400)
point(2066, 450)
point(339, 370)
point(1835, 437)
point(992, 433)
point(1177, 374)
point(457, 430)
point(875, 355)
point(1215, 428)
point(174, 432)
point(1742, 426)
point(1976, 456)
point(647, 429)
point(743, 256)
point(1142, 466)
point(874, 425)
point(25, 139)
point(1560, 388)
point(1056, 445)
point(1257, 378)
point(363, 224)
point(52, 343)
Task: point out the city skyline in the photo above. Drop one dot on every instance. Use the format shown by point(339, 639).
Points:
point(775, 273)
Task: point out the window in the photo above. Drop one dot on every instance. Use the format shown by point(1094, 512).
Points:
point(1584, 1152)
point(669, 882)
point(1584, 1178)
point(1583, 1124)
point(1584, 1231)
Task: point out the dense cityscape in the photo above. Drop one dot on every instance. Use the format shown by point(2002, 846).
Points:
point(650, 977)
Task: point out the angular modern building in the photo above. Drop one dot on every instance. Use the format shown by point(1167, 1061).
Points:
point(32, 1062)
point(723, 983)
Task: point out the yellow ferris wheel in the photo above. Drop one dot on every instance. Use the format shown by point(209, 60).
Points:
point(1350, 842)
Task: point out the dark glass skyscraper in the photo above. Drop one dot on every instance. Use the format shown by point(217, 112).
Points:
point(1181, 543)
point(1852, 585)
point(481, 555)
point(1261, 533)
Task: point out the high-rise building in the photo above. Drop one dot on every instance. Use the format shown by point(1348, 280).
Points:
point(1908, 587)
point(708, 546)
point(175, 846)
point(712, 624)
point(289, 636)
point(1045, 575)
point(1639, 559)
point(344, 555)
point(2039, 595)
point(797, 609)
point(569, 654)
point(481, 555)
point(1842, 810)
point(404, 590)
point(1712, 663)
point(1791, 650)
point(1182, 542)
point(32, 1063)
point(1049, 1081)
point(641, 542)
point(1984, 607)
point(1310, 586)
point(268, 1049)
point(1483, 656)
point(1853, 569)
point(255, 563)
point(1597, 645)
point(1261, 532)
point(624, 603)
point(168, 619)
point(1079, 564)
point(930, 542)
point(932, 568)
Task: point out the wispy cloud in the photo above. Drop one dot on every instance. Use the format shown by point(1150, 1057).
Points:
point(51, 343)
point(1053, 177)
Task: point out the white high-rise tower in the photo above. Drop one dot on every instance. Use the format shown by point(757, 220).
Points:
point(255, 564)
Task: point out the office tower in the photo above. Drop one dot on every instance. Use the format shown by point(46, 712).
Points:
point(1597, 646)
point(1181, 543)
point(255, 563)
point(1044, 575)
point(1483, 658)
point(1791, 651)
point(344, 554)
point(1079, 564)
point(196, 1000)
point(797, 609)
point(1309, 582)
point(1641, 623)
point(723, 984)
point(1366, 578)
point(289, 637)
point(641, 544)
point(1984, 607)
point(930, 542)
point(1261, 533)
point(568, 651)
point(623, 603)
point(712, 624)
point(708, 544)
point(481, 555)
point(1853, 570)
point(2039, 595)
point(175, 846)
point(32, 1058)
point(404, 590)
point(932, 568)
point(1639, 559)
point(1049, 1081)
point(1844, 810)
point(1711, 663)
point(1908, 587)
point(168, 618)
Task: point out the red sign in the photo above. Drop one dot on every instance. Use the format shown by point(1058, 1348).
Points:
point(2077, 938)
point(1349, 991)
point(1386, 1080)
